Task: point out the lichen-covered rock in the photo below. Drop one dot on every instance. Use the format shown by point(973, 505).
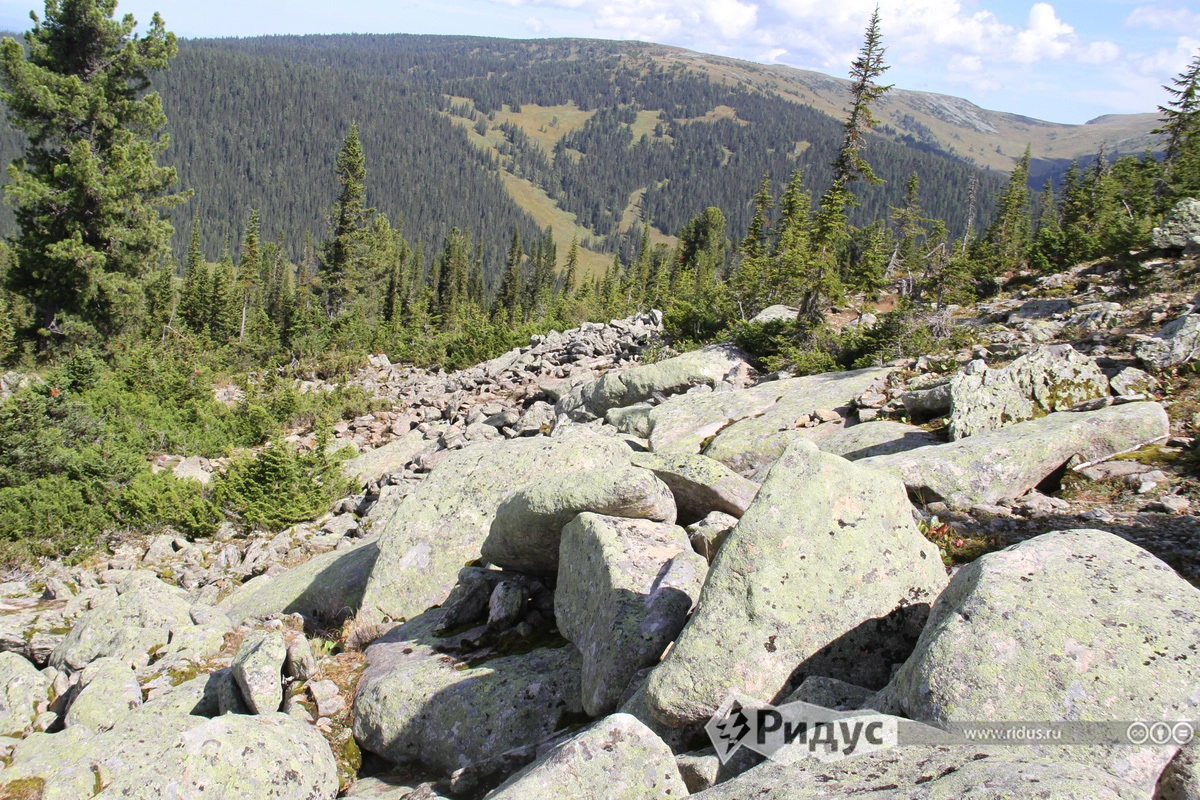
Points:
point(1119, 645)
point(271, 757)
point(826, 573)
point(416, 704)
point(258, 670)
point(442, 523)
point(23, 688)
point(932, 399)
point(750, 429)
point(107, 690)
point(392, 457)
point(1051, 378)
point(1181, 779)
point(875, 439)
point(819, 690)
point(634, 419)
point(1176, 344)
point(1131, 381)
point(625, 588)
point(699, 484)
point(1000, 465)
point(1181, 229)
point(617, 758)
point(145, 615)
point(525, 533)
point(326, 588)
point(708, 365)
point(924, 773)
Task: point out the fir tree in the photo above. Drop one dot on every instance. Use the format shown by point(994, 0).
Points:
point(512, 288)
point(570, 277)
point(342, 252)
point(195, 305)
point(1010, 231)
point(864, 92)
point(89, 196)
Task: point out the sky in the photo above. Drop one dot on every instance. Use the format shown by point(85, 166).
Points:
point(1067, 61)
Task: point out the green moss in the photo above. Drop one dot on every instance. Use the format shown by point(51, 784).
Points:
point(25, 789)
point(1152, 455)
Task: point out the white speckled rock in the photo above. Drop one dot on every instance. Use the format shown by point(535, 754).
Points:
point(258, 668)
point(23, 687)
point(108, 689)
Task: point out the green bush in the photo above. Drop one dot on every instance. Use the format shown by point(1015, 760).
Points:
point(279, 486)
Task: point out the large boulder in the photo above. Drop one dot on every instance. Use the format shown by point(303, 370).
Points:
point(1051, 378)
point(924, 773)
point(524, 535)
point(258, 670)
point(705, 366)
point(146, 614)
point(443, 522)
point(1181, 229)
point(271, 756)
point(617, 758)
point(882, 438)
point(700, 485)
point(750, 429)
point(107, 690)
point(825, 574)
point(625, 588)
point(326, 589)
point(1000, 465)
point(416, 704)
point(1119, 645)
point(22, 688)
point(1176, 344)
point(158, 751)
point(392, 457)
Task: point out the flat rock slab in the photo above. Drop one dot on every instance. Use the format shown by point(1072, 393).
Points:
point(442, 523)
point(1000, 465)
point(881, 438)
point(415, 704)
point(924, 773)
point(826, 573)
point(705, 366)
point(327, 588)
point(1119, 645)
point(700, 485)
point(1051, 378)
point(625, 588)
point(374, 464)
point(525, 533)
point(618, 758)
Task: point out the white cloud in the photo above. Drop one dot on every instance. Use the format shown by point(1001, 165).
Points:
point(1159, 18)
point(1046, 36)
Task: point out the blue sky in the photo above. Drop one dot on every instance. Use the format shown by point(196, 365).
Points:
point(1066, 61)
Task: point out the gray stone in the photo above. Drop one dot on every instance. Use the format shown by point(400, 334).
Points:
point(525, 533)
point(825, 574)
point(270, 756)
point(327, 697)
point(705, 366)
point(416, 704)
point(876, 439)
point(107, 690)
point(392, 457)
point(925, 773)
point(998, 466)
point(1181, 229)
point(928, 401)
point(327, 588)
point(193, 468)
point(625, 588)
point(777, 313)
point(699, 484)
point(506, 605)
point(538, 418)
point(710, 533)
point(1131, 381)
point(258, 668)
point(1120, 645)
point(146, 614)
point(228, 694)
point(300, 662)
point(634, 419)
point(617, 758)
point(441, 525)
point(23, 689)
point(1176, 344)
point(698, 769)
point(1051, 378)
point(831, 693)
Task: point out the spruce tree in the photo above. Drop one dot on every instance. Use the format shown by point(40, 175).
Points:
point(512, 289)
point(342, 252)
point(195, 305)
point(864, 92)
point(89, 195)
point(1181, 127)
point(572, 267)
point(1011, 229)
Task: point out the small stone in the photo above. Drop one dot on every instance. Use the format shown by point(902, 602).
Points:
point(506, 605)
point(327, 698)
point(1170, 504)
point(257, 667)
